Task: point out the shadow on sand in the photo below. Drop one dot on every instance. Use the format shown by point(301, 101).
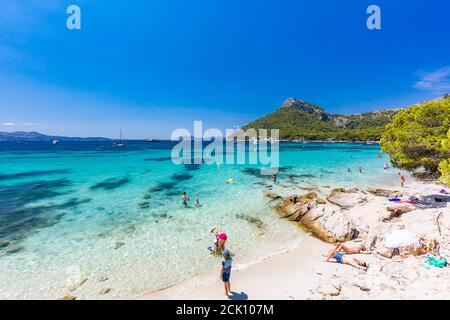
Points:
point(238, 296)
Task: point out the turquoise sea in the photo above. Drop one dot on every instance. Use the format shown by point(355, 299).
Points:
point(72, 211)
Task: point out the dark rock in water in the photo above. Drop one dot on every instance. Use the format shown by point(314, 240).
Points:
point(3, 244)
point(254, 172)
point(312, 189)
point(307, 175)
point(254, 220)
point(147, 196)
point(119, 244)
point(162, 187)
point(191, 167)
point(162, 159)
point(144, 205)
point(111, 184)
point(105, 291)
point(130, 229)
point(272, 195)
point(75, 286)
point(13, 250)
point(30, 174)
point(181, 176)
point(264, 184)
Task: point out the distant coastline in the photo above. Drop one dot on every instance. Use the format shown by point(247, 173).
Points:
point(22, 136)
point(36, 136)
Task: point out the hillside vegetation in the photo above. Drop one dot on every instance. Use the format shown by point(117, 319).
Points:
point(301, 120)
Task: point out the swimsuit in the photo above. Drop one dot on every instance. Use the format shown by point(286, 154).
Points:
point(338, 256)
point(222, 236)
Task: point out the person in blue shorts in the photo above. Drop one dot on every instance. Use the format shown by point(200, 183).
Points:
point(225, 272)
point(341, 258)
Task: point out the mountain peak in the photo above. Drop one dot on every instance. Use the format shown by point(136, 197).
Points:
point(306, 106)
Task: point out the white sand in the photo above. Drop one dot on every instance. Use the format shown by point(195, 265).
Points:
point(298, 274)
point(284, 276)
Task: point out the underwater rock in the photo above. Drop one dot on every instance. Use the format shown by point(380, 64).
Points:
point(118, 245)
point(254, 220)
point(144, 205)
point(272, 195)
point(104, 291)
point(4, 243)
point(78, 284)
point(14, 250)
point(111, 184)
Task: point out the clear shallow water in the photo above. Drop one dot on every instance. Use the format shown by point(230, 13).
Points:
point(71, 211)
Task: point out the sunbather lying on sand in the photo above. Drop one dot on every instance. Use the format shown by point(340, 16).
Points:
point(350, 250)
point(351, 261)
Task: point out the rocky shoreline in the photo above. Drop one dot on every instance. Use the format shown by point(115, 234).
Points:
point(355, 216)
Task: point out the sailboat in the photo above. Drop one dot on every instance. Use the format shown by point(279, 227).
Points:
point(120, 144)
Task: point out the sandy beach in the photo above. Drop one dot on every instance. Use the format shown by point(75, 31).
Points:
point(302, 273)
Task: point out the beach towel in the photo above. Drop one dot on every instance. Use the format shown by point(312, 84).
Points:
point(407, 201)
point(401, 239)
point(436, 262)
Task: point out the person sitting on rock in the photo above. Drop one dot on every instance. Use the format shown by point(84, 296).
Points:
point(351, 261)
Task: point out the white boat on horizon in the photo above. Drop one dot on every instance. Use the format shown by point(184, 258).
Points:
point(120, 144)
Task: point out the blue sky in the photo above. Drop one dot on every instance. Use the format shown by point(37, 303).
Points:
point(149, 67)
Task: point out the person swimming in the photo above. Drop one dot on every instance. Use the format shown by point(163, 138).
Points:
point(349, 170)
point(386, 166)
point(184, 199)
point(197, 203)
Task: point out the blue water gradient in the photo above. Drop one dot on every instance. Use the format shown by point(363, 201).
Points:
point(117, 212)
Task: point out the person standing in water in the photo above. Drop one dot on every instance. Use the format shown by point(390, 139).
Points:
point(402, 179)
point(225, 272)
point(386, 166)
point(197, 202)
point(274, 177)
point(221, 239)
point(184, 199)
point(360, 169)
